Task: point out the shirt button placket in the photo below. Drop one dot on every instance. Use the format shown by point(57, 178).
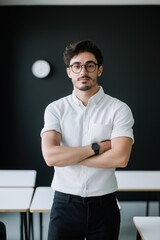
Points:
point(85, 142)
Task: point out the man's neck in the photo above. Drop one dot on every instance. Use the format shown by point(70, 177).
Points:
point(84, 96)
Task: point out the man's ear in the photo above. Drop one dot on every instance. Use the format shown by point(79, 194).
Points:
point(100, 70)
point(68, 71)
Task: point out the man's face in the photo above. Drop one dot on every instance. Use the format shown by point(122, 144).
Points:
point(84, 77)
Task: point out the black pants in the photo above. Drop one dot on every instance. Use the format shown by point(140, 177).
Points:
point(76, 218)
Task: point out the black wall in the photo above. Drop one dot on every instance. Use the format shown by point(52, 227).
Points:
point(129, 37)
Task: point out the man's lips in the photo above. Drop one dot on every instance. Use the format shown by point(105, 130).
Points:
point(84, 79)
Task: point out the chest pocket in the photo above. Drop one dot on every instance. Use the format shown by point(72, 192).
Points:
point(100, 132)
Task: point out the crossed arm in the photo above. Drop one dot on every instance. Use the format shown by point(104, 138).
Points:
point(113, 154)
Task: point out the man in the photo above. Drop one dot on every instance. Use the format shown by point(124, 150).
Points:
point(86, 135)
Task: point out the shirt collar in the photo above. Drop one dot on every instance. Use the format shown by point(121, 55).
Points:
point(96, 97)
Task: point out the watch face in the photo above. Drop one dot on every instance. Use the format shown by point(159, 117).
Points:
point(95, 148)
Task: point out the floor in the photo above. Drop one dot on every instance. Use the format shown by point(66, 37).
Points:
point(127, 232)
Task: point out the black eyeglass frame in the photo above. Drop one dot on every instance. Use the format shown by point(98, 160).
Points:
point(85, 65)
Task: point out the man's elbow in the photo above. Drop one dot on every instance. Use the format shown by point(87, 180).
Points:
point(53, 161)
point(123, 162)
point(48, 163)
point(48, 158)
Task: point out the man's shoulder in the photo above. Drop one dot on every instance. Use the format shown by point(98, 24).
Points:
point(113, 99)
point(59, 102)
point(115, 102)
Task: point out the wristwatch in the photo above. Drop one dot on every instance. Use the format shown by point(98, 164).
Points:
point(95, 148)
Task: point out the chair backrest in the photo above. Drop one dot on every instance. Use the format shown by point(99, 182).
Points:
point(3, 233)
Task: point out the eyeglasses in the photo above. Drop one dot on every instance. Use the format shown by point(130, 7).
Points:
point(89, 67)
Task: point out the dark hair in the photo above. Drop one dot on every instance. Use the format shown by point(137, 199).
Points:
point(74, 49)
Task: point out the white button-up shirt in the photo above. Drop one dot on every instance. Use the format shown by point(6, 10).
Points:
point(104, 118)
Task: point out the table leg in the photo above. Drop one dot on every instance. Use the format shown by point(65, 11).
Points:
point(148, 199)
point(31, 226)
point(159, 201)
point(147, 208)
point(41, 225)
point(24, 226)
point(138, 237)
point(21, 226)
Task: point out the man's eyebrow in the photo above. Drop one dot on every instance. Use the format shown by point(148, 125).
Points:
point(90, 61)
point(75, 63)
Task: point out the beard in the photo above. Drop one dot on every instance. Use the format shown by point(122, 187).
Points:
point(84, 88)
point(87, 86)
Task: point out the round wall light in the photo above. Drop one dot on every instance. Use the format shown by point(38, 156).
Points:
point(41, 68)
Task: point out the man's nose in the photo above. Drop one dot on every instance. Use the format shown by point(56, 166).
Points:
point(83, 68)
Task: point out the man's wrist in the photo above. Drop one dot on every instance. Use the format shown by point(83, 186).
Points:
point(96, 148)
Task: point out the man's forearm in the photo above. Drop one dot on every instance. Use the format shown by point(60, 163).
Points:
point(117, 156)
point(61, 156)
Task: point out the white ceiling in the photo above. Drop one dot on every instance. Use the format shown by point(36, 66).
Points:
point(80, 2)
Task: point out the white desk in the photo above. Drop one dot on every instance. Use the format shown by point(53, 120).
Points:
point(42, 199)
point(16, 189)
point(139, 181)
point(41, 203)
point(148, 228)
point(17, 200)
point(17, 178)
